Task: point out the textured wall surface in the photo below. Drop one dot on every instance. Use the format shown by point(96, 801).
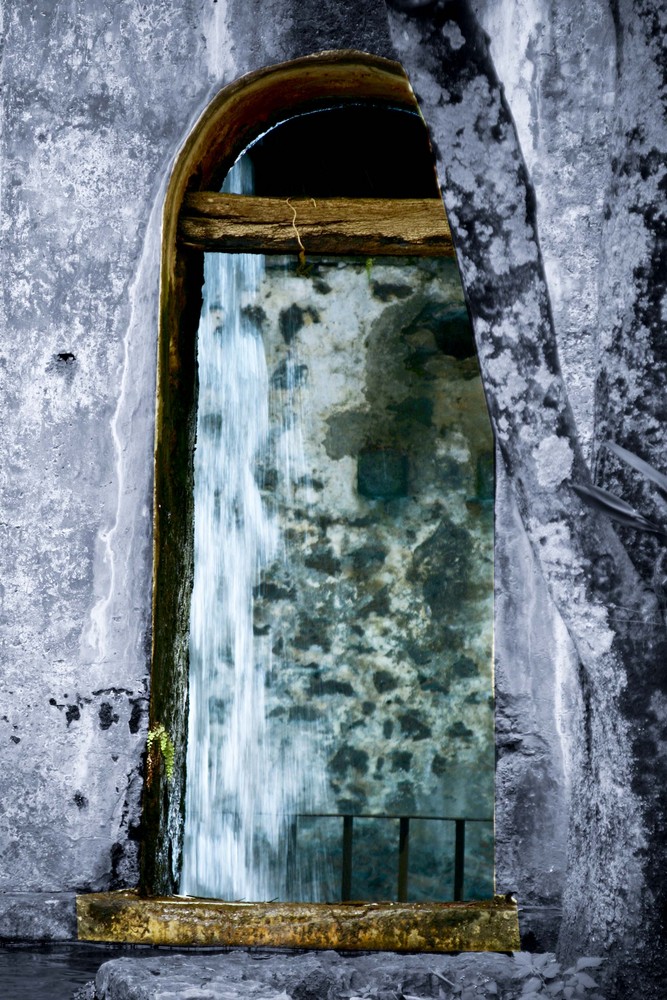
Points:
point(95, 102)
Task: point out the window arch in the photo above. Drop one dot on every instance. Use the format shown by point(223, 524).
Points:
point(238, 115)
point(198, 218)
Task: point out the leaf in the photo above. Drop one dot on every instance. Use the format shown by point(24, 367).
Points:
point(639, 464)
point(440, 976)
point(554, 988)
point(492, 989)
point(585, 980)
point(532, 985)
point(615, 508)
point(588, 963)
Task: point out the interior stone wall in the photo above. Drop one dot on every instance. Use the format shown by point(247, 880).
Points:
point(379, 618)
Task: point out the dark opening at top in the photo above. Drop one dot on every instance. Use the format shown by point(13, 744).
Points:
point(350, 152)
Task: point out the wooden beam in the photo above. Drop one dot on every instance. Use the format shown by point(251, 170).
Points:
point(366, 227)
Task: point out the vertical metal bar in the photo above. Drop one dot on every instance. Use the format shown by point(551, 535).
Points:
point(459, 858)
point(403, 858)
point(291, 855)
point(346, 881)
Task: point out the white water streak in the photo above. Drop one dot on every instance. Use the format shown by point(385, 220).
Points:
point(244, 781)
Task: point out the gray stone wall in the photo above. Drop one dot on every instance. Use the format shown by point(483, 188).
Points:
point(95, 104)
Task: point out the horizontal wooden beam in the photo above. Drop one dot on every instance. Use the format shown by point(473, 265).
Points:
point(366, 227)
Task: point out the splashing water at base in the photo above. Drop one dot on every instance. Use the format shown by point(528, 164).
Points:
point(246, 780)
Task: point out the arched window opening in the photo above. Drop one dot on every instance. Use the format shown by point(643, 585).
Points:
point(363, 504)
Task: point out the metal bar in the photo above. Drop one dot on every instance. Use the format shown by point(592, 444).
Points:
point(449, 819)
point(403, 858)
point(346, 879)
point(459, 858)
point(291, 852)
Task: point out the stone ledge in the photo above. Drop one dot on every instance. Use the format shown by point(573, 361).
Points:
point(322, 975)
point(490, 925)
point(37, 916)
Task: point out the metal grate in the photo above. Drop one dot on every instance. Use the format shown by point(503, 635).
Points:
point(403, 848)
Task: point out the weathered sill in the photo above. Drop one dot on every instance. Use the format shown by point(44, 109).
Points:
point(488, 925)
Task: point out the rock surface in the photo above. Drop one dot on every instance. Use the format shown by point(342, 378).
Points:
point(311, 976)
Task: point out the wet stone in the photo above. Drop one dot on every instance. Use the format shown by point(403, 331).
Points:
point(434, 684)
point(368, 557)
point(382, 474)
point(419, 410)
point(384, 681)
point(272, 592)
point(349, 758)
point(386, 292)
point(303, 713)
point(323, 560)
point(463, 666)
point(442, 563)
point(460, 732)
point(333, 687)
point(378, 605)
point(312, 633)
point(439, 765)
point(400, 760)
point(450, 328)
point(413, 727)
point(288, 375)
point(486, 477)
point(293, 319)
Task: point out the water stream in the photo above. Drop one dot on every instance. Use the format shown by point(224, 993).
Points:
point(246, 780)
point(341, 627)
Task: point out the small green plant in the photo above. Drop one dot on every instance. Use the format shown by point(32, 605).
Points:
point(543, 977)
point(159, 746)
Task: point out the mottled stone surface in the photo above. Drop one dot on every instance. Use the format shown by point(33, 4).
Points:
point(324, 976)
point(379, 614)
point(38, 916)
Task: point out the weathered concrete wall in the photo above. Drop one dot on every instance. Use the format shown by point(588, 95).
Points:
point(95, 104)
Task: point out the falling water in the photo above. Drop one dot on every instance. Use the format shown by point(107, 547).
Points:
point(245, 779)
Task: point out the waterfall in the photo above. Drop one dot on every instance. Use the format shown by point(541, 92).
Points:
point(245, 778)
